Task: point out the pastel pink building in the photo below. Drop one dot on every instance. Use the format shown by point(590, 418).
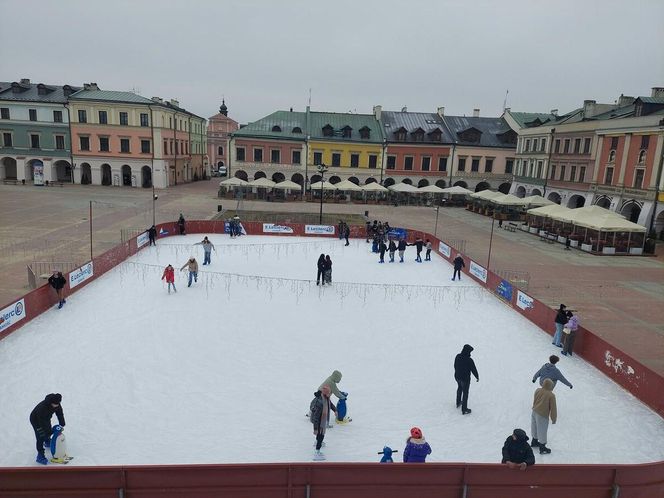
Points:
point(220, 126)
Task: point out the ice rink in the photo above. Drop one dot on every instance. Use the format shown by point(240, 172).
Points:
point(224, 371)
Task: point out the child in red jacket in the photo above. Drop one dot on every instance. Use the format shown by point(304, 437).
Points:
point(169, 275)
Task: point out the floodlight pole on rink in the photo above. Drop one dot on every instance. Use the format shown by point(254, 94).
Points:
point(488, 262)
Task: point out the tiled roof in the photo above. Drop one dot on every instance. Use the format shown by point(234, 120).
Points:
point(526, 119)
point(30, 92)
point(317, 120)
point(411, 121)
point(621, 112)
point(491, 128)
point(285, 120)
point(652, 100)
point(110, 96)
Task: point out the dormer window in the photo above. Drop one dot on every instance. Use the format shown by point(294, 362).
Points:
point(276, 128)
point(346, 131)
point(297, 129)
point(418, 135)
point(328, 131)
point(508, 137)
point(470, 135)
point(642, 156)
point(365, 132)
point(401, 134)
point(435, 135)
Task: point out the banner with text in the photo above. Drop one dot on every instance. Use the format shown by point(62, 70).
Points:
point(142, 239)
point(272, 228)
point(505, 290)
point(477, 271)
point(80, 275)
point(444, 249)
point(524, 301)
point(319, 229)
point(12, 314)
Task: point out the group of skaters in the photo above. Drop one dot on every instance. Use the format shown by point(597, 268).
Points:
point(191, 265)
point(324, 270)
point(567, 325)
point(234, 226)
point(517, 452)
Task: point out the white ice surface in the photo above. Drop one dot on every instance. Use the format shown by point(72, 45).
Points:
point(224, 371)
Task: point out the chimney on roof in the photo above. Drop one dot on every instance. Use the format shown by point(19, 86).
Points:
point(175, 103)
point(624, 100)
point(404, 109)
point(554, 112)
point(476, 113)
point(589, 108)
point(291, 109)
point(158, 100)
point(378, 111)
point(507, 109)
point(25, 81)
point(90, 86)
point(67, 90)
point(440, 111)
point(657, 91)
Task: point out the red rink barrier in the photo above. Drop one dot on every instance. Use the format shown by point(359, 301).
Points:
point(328, 480)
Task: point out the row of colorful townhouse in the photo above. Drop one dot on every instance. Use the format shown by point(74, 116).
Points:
point(386, 146)
point(91, 136)
point(610, 155)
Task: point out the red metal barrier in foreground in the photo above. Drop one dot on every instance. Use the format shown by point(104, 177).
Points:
point(357, 480)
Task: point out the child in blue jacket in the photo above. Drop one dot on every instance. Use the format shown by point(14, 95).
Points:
point(417, 448)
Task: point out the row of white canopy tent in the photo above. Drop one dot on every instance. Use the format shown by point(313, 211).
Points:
point(500, 199)
point(593, 217)
point(260, 183)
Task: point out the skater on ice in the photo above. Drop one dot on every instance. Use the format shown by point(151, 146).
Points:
point(328, 270)
point(331, 382)
point(192, 266)
point(320, 265)
point(152, 235)
point(419, 243)
point(544, 407)
point(58, 281)
point(569, 333)
point(181, 224)
point(560, 321)
point(417, 448)
point(346, 233)
point(463, 367)
point(169, 276)
point(392, 248)
point(320, 409)
point(381, 250)
point(207, 248)
point(427, 257)
point(550, 371)
point(40, 419)
point(402, 248)
point(458, 264)
point(517, 453)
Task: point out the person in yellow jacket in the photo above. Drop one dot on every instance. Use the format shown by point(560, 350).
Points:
point(192, 266)
point(544, 407)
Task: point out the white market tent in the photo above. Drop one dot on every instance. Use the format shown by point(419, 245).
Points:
point(287, 185)
point(326, 186)
point(487, 195)
point(607, 223)
point(509, 200)
point(348, 186)
point(537, 200)
point(374, 187)
point(457, 190)
point(431, 189)
point(233, 182)
point(547, 211)
point(571, 215)
point(262, 183)
point(404, 187)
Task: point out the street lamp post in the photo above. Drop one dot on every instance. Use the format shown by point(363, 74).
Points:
point(488, 262)
point(435, 229)
point(321, 169)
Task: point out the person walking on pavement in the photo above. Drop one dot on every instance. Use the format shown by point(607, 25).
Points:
point(321, 269)
point(192, 266)
point(544, 406)
point(458, 264)
point(207, 248)
point(463, 367)
point(58, 282)
point(560, 321)
point(568, 338)
point(550, 371)
point(40, 419)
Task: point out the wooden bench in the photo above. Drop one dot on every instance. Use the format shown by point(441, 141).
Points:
point(511, 227)
point(10, 181)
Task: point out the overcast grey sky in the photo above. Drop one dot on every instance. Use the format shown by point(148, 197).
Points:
point(264, 55)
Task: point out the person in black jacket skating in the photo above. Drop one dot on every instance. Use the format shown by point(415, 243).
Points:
point(181, 224)
point(392, 248)
point(346, 233)
point(458, 264)
point(381, 249)
point(419, 244)
point(58, 282)
point(463, 367)
point(517, 453)
point(321, 269)
point(152, 235)
point(40, 419)
point(401, 247)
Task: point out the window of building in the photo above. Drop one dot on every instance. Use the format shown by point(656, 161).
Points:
point(170, 122)
point(475, 164)
point(34, 141)
point(562, 172)
point(373, 161)
point(354, 160)
point(7, 139)
point(177, 147)
point(239, 153)
point(103, 117)
point(552, 175)
point(144, 120)
point(638, 178)
point(275, 156)
point(336, 159)
point(258, 155)
point(145, 146)
point(426, 164)
point(408, 162)
point(531, 168)
point(391, 162)
point(543, 145)
point(556, 146)
point(566, 146)
point(165, 147)
point(572, 173)
point(365, 133)
point(276, 128)
point(82, 116)
point(539, 169)
point(297, 156)
point(645, 140)
point(328, 131)
point(103, 144)
point(509, 165)
point(582, 173)
point(318, 158)
point(124, 119)
point(220, 151)
point(608, 177)
point(612, 156)
point(535, 144)
point(586, 145)
point(462, 164)
point(124, 145)
point(346, 132)
point(57, 116)
point(84, 143)
point(527, 145)
point(297, 129)
point(401, 134)
point(642, 156)
point(614, 143)
point(488, 165)
point(4, 113)
point(171, 147)
point(442, 164)
point(577, 145)
point(33, 114)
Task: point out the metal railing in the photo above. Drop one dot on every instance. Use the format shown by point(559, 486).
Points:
point(41, 270)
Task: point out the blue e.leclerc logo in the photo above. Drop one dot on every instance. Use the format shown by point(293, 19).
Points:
point(18, 309)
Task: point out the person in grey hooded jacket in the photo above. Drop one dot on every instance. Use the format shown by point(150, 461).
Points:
point(331, 382)
point(550, 371)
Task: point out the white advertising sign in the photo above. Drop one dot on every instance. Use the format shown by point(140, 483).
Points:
point(80, 275)
point(272, 228)
point(142, 239)
point(478, 271)
point(12, 314)
point(524, 301)
point(319, 229)
point(444, 249)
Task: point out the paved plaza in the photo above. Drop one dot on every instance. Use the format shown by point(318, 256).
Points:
point(620, 298)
